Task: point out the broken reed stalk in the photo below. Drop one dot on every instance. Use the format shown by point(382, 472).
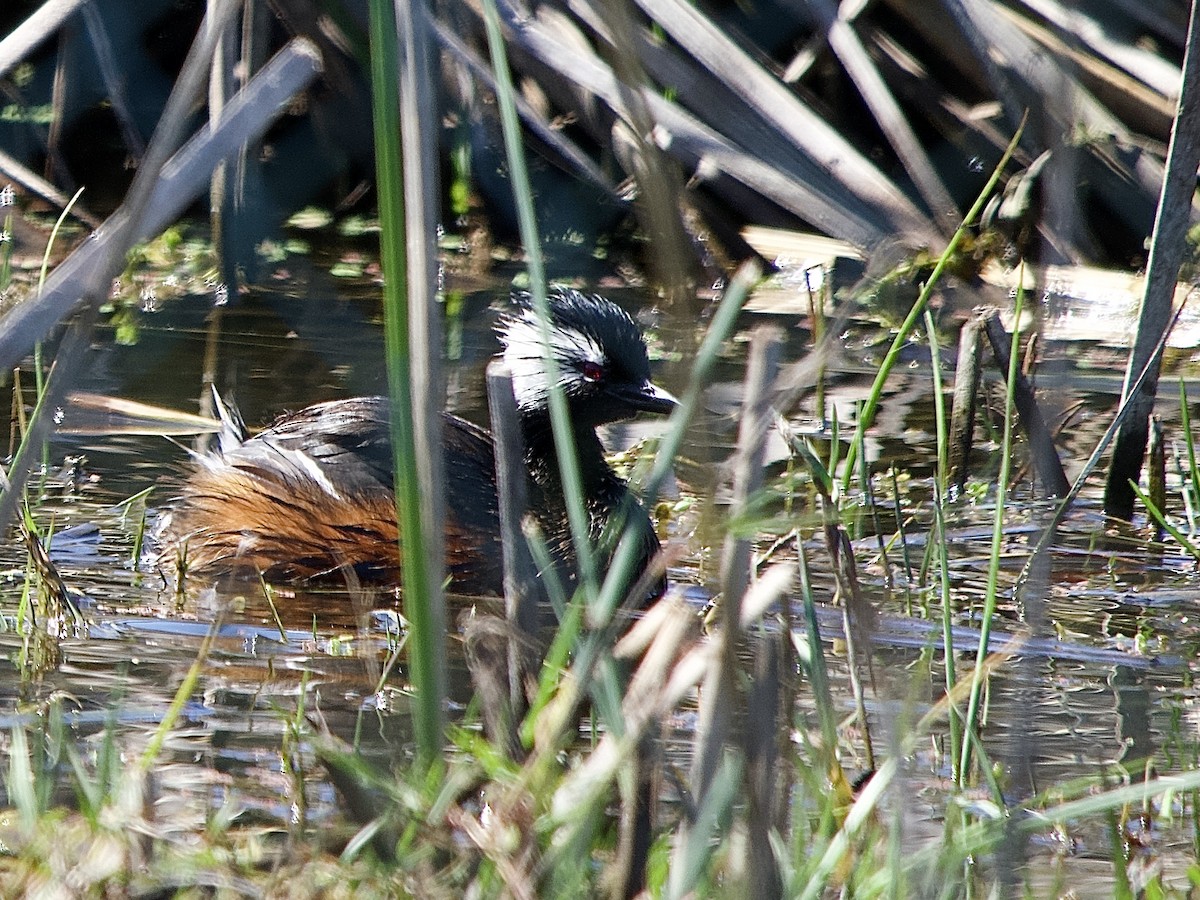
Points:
point(967, 374)
point(36, 184)
point(1167, 246)
point(490, 649)
point(695, 144)
point(1064, 505)
point(767, 714)
point(807, 133)
point(114, 80)
point(1040, 82)
point(1041, 441)
point(38, 27)
point(520, 576)
point(159, 194)
point(853, 55)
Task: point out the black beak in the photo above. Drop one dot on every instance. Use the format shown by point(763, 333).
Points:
point(646, 397)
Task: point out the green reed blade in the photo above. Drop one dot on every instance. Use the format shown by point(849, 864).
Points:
point(867, 416)
point(1169, 527)
point(941, 482)
point(426, 638)
point(1185, 423)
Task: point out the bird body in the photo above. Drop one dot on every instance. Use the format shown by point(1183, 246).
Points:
point(312, 495)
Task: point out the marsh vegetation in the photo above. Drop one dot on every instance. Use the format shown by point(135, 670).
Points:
point(927, 633)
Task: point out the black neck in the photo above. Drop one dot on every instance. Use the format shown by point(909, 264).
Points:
point(606, 498)
point(541, 456)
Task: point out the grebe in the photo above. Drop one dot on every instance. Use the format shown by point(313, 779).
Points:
point(312, 494)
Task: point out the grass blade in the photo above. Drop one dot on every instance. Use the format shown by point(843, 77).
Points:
point(422, 602)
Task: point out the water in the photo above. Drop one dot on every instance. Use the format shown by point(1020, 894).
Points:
point(1052, 715)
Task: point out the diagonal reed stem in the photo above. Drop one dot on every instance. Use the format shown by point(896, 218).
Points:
point(867, 416)
point(560, 420)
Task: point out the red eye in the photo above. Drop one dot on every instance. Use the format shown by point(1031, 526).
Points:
point(592, 371)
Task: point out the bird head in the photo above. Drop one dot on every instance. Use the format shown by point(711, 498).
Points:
point(599, 354)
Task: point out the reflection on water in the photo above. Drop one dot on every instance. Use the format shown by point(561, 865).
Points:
point(1049, 717)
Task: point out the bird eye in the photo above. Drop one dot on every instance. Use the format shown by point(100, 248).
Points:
point(592, 371)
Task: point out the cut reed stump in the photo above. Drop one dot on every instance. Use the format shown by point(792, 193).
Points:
point(520, 575)
point(1046, 463)
point(966, 389)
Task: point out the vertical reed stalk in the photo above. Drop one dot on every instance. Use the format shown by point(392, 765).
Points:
point(719, 699)
point(1126, 407)
point(1167, 245)
point(967, 373)
point(520, 576)
point(422, 208)
point(424, 645)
